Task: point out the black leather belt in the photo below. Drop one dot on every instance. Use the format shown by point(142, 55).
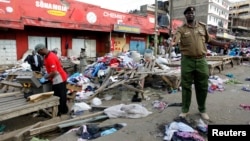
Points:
point(196, 57)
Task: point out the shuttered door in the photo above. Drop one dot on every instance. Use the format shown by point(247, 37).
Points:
point(54, 43)
point(8, 52)
point(34, 40)
point(89, 45)
point(138, 46)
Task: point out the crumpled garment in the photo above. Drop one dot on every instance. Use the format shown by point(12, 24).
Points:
point(233, 81)
point(82, 106)
point(127, 111)
point(230, 75)
point(190, 135)
point(245, 106)
point(83, 95)
point(160, 105)
point(174, 127)
point(245, 89)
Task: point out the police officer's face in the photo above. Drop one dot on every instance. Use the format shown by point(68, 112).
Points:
point(190, 16)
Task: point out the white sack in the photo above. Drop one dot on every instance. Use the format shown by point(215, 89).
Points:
point(127, 111)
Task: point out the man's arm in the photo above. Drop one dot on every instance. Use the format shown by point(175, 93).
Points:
point(220, 44)
point(213, 41)
point(28, 59)
point(176, 37)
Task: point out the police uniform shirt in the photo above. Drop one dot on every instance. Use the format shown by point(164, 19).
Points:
point(192, 39)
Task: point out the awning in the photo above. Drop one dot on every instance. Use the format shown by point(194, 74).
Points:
point(65, 25)
point(11, 24)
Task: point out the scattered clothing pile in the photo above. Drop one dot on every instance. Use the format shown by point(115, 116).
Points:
point(215, 84)
point(92, 131)
point(181, 130)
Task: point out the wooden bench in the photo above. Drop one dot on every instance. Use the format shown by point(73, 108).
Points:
point(10, 80)
point(14, 105)
point(246, 58)
point(225, 60)
point(214, 64)
point(238, 59)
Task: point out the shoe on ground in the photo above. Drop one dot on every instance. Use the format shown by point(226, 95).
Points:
point(205, 116)
point(183, 115)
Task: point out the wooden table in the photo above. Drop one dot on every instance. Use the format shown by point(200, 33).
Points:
point(225, 60)
point(174, 64)
point(14, 105)
point(238, 59)
point(214, 64)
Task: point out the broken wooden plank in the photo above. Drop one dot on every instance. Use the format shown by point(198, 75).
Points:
point(20, 135)
point(100, 89)
point(133, 88)
point(13, 84)
point(132, 74)
point(10, 94)
point(115, 84)
point(153, 72)
point(167, 81)
point(28, 108)
point(54, 126)
point(79, 122)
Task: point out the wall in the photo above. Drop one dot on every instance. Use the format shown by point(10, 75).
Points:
point(200, 5)
point(21, 37)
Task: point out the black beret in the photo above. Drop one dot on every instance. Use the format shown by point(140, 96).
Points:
point(190, 8)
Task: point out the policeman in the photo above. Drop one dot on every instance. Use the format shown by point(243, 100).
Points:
point(194, 68)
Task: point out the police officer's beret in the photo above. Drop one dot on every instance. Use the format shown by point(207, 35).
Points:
point(190, 8)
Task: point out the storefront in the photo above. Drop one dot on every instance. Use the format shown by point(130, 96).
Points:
point(126, 38)
point(68, 26)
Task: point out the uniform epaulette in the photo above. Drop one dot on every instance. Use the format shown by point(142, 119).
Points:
point(202, 23)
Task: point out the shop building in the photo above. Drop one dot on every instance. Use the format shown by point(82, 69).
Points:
point(68, 26)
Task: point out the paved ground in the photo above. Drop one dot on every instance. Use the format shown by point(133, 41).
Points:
point(223, 108)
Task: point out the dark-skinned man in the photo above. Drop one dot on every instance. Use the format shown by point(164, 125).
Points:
point(192, 38)
point(56, 74)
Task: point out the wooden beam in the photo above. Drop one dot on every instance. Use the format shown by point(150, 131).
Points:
point(10, 94)
point(133, 88)
point(20, 135)
point(13, 84)
point(54, 126)
point(167, 81)
point(79, 122)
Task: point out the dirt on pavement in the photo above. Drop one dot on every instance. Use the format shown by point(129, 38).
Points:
point(222, 107)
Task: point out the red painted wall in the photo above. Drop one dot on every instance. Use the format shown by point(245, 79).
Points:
point(66, 36)
point(21, 43)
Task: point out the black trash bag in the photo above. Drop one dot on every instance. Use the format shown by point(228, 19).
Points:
point(27, 94)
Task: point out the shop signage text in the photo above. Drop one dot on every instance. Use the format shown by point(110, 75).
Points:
point(53, 9)
point(127, 29)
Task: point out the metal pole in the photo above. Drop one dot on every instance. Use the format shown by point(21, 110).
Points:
point(111, 49)
point(170, 24)
point(156, 30)
point(171, 16)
